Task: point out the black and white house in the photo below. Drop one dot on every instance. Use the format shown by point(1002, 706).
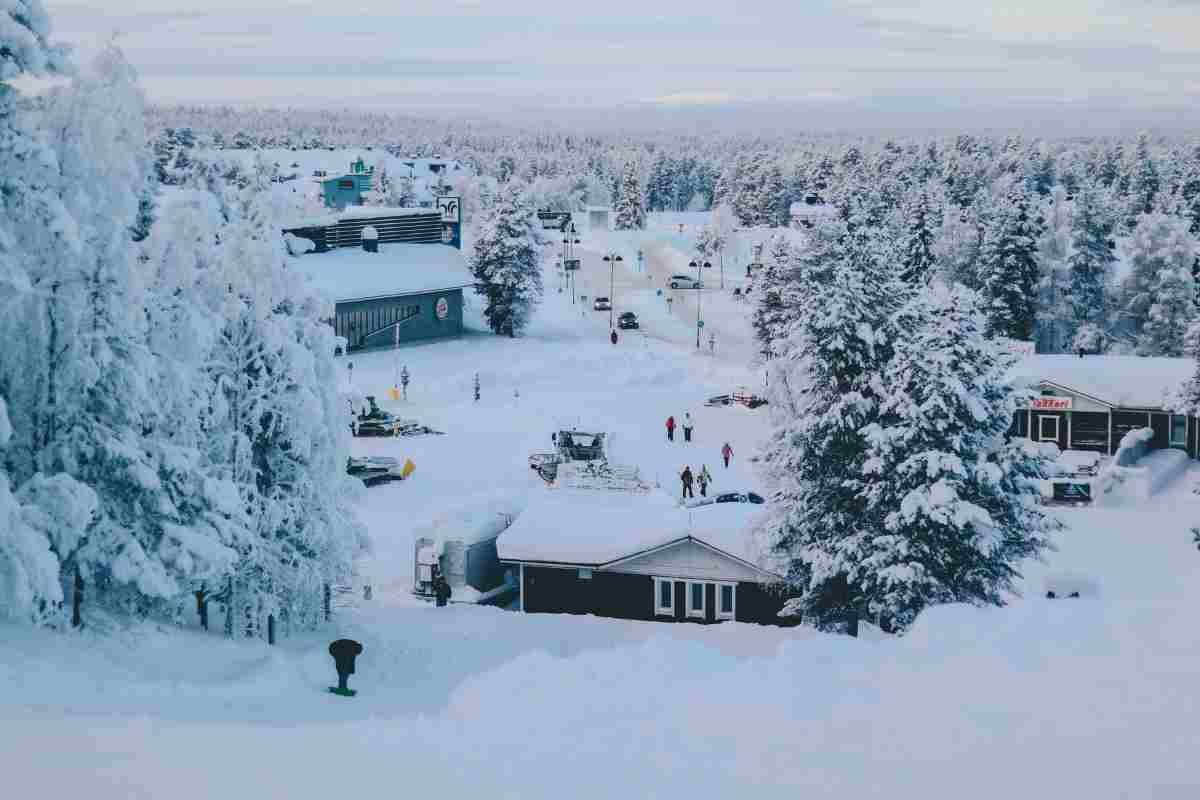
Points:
point(639, 556)
point(1090, 403)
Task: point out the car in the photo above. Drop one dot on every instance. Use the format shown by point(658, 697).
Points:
point(627, 321)
point(602, 304)
point(739, 497)
point(685, 282)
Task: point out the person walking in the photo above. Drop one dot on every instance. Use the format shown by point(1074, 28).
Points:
point(686, 478)
point(344, 651)
point(687, 426)
point(441, 589)
point(613, 336)
point(727, 453)
point(704, 479)
point(670, 429)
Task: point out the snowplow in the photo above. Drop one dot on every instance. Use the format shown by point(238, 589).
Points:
point(580, 461)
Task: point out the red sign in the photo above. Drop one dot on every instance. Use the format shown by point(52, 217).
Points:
point(1051, 404)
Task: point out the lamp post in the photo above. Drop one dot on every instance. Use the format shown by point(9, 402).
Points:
point(613, 259)
point(570, 239)
point(699, 292)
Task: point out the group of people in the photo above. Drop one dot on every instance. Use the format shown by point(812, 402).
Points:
point(687, 427)
point(687, 477)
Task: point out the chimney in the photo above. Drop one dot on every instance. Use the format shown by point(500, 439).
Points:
point(370, 239)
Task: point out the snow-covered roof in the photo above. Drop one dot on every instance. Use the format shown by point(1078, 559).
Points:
point(593, 528)
point(350, 273)
point(1120, 381)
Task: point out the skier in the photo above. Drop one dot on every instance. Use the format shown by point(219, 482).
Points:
point(687, 426)
point(612, 337)
point(704, 479)
point(727, 453)
point(670, 429)
point(686, 478)
point(344, 651)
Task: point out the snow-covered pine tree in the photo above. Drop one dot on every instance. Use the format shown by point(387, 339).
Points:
point(630, 213)
point(950, 504)
point(1089, 265)
point(1008, 263)
point(824, 391)
point(507, 262)
point(916, 237)
point(1144, 180)
point(1158, 292)
point(1055, 325)
point(778, 302)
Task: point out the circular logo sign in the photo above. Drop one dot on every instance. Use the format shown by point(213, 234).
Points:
point(442, 309)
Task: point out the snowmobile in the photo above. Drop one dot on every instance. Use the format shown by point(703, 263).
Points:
point(374, 470)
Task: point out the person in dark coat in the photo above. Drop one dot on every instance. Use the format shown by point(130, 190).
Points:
point(687, 479)
point(613, 336)
point(441, 590)
point(344, 651)
point(670, 429)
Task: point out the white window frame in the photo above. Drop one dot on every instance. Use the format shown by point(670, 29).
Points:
point(732, 613)
point(1042, 418)
point(659, 609)
point(1171, 440)
point(701, 612)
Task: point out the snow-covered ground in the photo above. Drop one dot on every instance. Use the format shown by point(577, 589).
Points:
point(1093, 697)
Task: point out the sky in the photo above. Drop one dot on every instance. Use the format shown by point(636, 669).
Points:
point(905, 60)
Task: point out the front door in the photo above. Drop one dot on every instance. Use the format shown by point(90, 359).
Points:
point(710, 602)
point(1048, 428)
point(680, 601)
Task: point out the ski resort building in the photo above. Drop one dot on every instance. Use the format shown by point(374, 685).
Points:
point(638, 556)
point(1090, 403)
point(347, 189)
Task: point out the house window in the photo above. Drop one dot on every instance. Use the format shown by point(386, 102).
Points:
point(1048, 429)
point(695, 595)
point(664, 597)
point(585, 574)
point(349, 184)
point(726, 600)
point(1178, 430)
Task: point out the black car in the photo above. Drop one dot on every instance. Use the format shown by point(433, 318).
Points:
point(740, 497)
point(627, 321)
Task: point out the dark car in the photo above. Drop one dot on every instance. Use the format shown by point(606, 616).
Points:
point(627, 321)
point(740, 497)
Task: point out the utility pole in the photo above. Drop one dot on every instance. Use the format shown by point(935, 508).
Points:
point(612, 259)
point(697, 264)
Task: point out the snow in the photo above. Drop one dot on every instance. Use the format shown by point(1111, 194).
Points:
point(1125, 381)
point(594, 527)
point(350, 273)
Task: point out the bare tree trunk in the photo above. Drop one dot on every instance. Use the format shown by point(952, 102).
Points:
point(77, 601)
point(202, 607)
point(229, 609)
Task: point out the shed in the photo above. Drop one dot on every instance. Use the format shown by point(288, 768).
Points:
point(639, 556)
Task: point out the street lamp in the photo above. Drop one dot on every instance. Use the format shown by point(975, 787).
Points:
point(613, 259)
point(570, 239)
point(699, 293)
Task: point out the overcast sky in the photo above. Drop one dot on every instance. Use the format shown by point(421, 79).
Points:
point(1137, 58)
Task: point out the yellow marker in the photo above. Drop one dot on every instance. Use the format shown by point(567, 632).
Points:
point(409, 468)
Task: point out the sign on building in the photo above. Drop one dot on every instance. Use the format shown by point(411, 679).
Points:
point(442, 309)
point(450, 208)
point(1046, 403)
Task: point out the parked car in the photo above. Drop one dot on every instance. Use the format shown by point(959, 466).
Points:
point(685, 282)
point(739, 497)
point(627, 321)
point(602, 304)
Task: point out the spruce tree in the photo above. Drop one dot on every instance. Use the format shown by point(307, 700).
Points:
point(778, 294)
point(825, 391)
point(1090, 263)
point(1158, 292)
point(506, 262)
point(950, 504)
point(1008, 265)
point(631, 214)
point(915, 256)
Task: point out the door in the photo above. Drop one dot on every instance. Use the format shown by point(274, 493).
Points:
point(710, 602)
point(1047, 428)
point(680, 601)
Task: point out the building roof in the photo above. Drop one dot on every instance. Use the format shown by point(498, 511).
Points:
point(359, 212)
point(594, 528)
point(351, 273)
point(1118, 381)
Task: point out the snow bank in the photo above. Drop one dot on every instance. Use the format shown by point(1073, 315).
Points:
point(1133, 477)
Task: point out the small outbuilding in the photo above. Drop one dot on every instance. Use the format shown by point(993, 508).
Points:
point(1090, 403)
point(639, 556)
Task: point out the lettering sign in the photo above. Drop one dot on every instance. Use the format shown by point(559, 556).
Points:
point(450, 208)
point(1051, 403)
point(442, 309)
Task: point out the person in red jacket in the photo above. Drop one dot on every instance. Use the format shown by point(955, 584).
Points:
point(670, 429)
point(727, 453)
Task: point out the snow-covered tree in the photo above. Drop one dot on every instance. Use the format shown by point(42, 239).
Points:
point(1090, 263)
point(1008, 264)
point(824, 391)
point(1144, 180)
point(630, 213)
point(1158, 292)
point(506, 262)
point(951, 506)
point(915, 243)
point(778, 297)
